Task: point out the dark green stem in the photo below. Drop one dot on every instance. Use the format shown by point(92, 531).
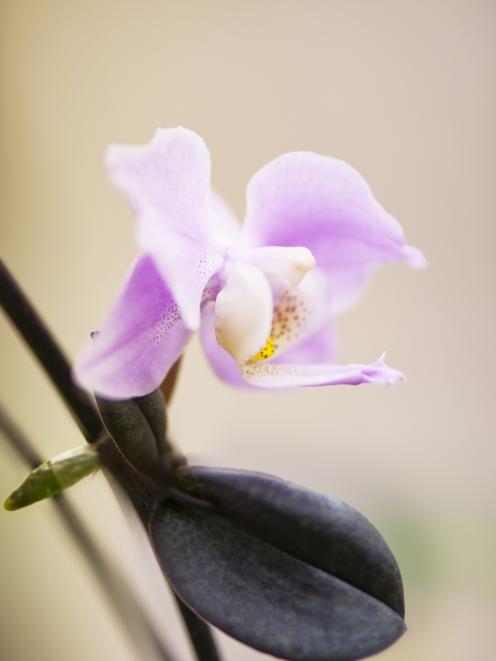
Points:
point(49, 354)
point(113, 584)
point(199, 633)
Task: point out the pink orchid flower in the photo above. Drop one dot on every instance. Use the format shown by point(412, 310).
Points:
point(261, 295)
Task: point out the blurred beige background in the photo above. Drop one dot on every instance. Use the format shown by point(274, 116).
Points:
point(402, 90)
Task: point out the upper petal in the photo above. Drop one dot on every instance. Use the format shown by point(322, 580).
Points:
point(140, 340)
point(226, 226)
point(304, 199)
point(168, 184)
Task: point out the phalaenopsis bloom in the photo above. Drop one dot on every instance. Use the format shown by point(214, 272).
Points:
point(262, 294)
point(291, 573)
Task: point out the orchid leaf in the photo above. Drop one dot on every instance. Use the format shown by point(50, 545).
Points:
point(317, 529)
point(286, 571)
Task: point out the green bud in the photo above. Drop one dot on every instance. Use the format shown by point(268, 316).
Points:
point(53, 476)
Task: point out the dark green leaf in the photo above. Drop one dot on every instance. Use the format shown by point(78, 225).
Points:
point(278, 567)
point(322, 531)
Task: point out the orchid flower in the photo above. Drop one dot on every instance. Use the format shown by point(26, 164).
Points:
point(262, 295)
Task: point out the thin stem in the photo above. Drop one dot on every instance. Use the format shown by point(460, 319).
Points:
point(112, 582)
point(199, 633)
point(47, 351)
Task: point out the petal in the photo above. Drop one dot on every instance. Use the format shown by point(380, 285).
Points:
point(303, 199)
point(300, 312)
point(314, 346)
point(168, 184)
point(139, 342)
point(283, 376)
point(222, 363)
point(319, 347)
point(243, 311)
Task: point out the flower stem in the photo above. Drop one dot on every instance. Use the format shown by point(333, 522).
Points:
point(199, 633)
point(49, 354)
point(113, 584)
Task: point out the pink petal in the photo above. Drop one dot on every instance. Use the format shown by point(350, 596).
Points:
point(299, 313)
point(139, 342)
point(303, 199)
point(320, 347)
point(168, 184)
point(283, 376)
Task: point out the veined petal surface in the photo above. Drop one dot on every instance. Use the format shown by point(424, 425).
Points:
point(139, 342)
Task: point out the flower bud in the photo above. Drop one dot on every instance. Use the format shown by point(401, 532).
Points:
point(53, 476)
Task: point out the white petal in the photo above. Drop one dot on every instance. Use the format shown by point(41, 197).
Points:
point(243, 311)
point(286, 264)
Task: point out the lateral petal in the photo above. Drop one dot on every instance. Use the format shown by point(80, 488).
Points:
point(140, 340)
point(304, 199)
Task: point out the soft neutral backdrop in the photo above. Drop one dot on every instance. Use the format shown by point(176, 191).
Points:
point(402, 90)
